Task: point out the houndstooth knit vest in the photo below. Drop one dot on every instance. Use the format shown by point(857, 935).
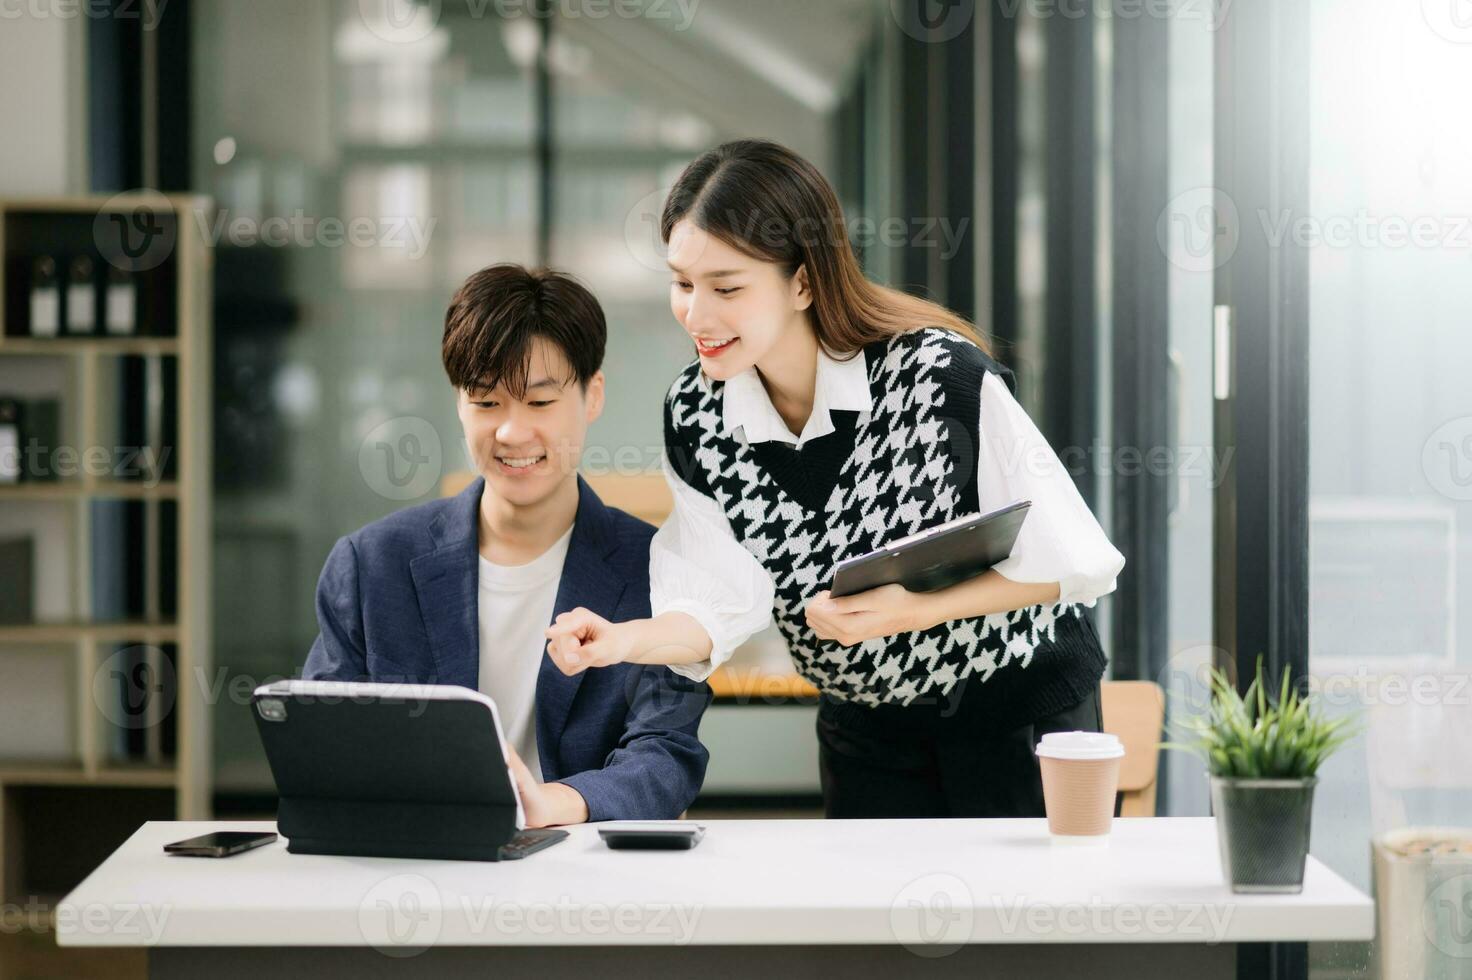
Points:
point(907, 465)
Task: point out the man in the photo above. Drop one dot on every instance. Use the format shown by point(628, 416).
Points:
point(462, 590)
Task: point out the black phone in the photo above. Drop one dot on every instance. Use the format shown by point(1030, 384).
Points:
point(220, 844)
point(677, 836)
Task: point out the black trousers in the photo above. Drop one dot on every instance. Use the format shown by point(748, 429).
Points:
point(902, 762)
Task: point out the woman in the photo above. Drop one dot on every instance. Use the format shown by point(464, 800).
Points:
point(825, 417)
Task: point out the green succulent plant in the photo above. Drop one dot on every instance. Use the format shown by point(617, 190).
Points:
point(1255, 735)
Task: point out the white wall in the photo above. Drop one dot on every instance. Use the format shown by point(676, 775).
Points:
point(43, 134)
point(42, 151)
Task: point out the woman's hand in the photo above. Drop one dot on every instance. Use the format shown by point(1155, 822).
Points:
point(892, 609)
point(546, 804)
point(885, 611)
point(580, 638)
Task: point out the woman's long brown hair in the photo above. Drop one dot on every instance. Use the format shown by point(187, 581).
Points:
point(766, 201)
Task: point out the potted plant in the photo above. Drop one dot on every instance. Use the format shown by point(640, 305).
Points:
point(1263, 753)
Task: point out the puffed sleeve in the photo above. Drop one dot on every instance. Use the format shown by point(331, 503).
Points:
point(697, 567)
point(1060, 540)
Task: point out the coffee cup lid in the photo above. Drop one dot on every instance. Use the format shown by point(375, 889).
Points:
point(1080, 745)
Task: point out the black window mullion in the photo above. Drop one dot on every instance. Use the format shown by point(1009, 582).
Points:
point(915, 157)
point(1071, 328)
point(1002, 45)
point(1261, 291)
point(115, 101)
point(955, 241)
point(543, 96)
point(173, 97)
point(1140, 345)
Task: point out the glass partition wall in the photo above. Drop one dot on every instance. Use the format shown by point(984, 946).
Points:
point(1389, 240)
point(365, 157)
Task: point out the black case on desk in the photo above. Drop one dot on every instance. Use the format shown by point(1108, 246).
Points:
point(387, 777)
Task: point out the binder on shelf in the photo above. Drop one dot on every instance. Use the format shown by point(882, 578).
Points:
point(40, 434)
point(117, 560)
point(156, 700)
point(121, 305)
point(44, 317)
point(11, 466)
point(17, 564)
point(141, 687)
point(81, 296)
point(168, 559)
point(169, 719)
point(121, 694)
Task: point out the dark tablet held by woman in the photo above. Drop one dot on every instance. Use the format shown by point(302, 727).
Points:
point(937, 558)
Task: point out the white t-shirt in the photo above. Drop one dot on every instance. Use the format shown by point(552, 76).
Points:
point(515, 609)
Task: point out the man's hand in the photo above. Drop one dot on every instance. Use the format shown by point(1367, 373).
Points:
point(546, 804)
point(885, 611)
point(580, 639)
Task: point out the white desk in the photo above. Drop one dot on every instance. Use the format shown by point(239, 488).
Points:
point(799, 897)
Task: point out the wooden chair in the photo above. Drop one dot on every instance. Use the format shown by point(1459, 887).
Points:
point(1134, 711)
point(751, 684)
point(455, 481)
point(645, 495)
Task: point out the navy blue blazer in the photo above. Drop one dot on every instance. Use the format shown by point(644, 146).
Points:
point(398, 601)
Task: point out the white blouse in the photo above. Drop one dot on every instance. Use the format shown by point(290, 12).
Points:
point(698, 567)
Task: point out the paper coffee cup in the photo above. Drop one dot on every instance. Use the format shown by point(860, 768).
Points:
point(1080, 778)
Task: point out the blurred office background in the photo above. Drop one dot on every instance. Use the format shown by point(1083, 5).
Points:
point(1225, 246)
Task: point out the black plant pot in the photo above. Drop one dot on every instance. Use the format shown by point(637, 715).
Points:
point(1262, 826)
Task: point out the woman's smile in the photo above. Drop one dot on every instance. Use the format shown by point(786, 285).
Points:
point(714, 348)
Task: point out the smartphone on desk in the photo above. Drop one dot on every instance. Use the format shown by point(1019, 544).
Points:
point(220, 844)
point(652, 836)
